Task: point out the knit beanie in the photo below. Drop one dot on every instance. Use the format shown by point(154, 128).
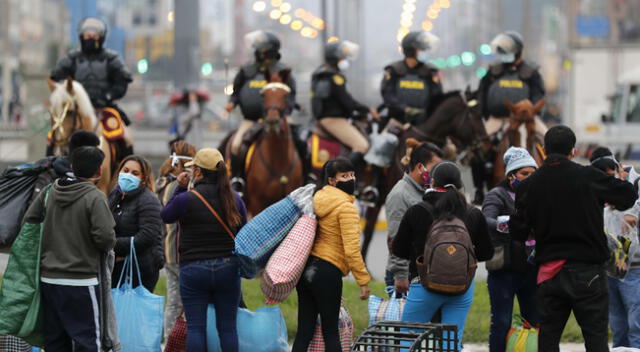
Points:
point(517, 158)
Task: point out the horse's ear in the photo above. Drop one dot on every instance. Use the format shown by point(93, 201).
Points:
point(52, 84)
point(69, 85)
point(509, 105)
point(537, 108)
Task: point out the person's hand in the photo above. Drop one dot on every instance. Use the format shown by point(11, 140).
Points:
point(374, 113)
point(622, 174)
point(364, 292)
point(119, 259)
point(413, 111)
point(631, 221)
point(402, 286)
point(229, 107)
point(183, 179)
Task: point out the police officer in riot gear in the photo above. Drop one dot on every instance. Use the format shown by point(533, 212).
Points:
point(409, 85)
point(249, 80)
point(512, 79)
point(100, 71)
point(333, 105)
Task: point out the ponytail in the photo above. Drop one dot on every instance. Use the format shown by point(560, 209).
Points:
point(452, 204)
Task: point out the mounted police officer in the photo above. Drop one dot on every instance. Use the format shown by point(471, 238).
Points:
point(333, 105)
point(409, 85)
point(100, 71)
point(512, 79)
point(249, 80)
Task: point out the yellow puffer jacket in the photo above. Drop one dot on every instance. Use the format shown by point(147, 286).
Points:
point(338, 238)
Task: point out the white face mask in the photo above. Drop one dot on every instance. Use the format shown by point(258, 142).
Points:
point(343, 65)
point(507, 58)
point(423, 56)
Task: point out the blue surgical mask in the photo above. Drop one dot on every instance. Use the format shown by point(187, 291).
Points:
point(507, 58)
point(423, 56)
point(515, 183)
point(128, 182)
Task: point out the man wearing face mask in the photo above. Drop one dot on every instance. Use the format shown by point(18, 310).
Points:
point(409, 85)
point(100, 71)
point(332, 105)
point(404, 194)
point(512, 79)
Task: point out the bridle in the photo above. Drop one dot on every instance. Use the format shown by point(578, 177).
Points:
point(274, 86)
point(58, 123)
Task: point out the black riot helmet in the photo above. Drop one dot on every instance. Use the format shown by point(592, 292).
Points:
point(266, 45)
point(508, 46)
point(340, 50)
point(418, 40)
point(97, 26)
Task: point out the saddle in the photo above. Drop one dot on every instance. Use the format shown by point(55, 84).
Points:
point(324, 146)
point(240, 162)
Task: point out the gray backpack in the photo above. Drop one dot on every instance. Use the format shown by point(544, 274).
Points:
point(449, 262)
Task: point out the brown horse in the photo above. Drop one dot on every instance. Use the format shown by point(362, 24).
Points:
point(455, 118)
point(522, 113)
point(273, 167)
point(71, 110)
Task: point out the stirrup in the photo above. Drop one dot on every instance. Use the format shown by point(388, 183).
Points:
point(237, 184)
point(369, 196)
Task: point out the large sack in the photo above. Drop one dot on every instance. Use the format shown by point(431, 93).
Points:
point(345, 326)
point(16, 188)
point(386, 309)
point(261, 331)
point(522, 337)
point(260, 237)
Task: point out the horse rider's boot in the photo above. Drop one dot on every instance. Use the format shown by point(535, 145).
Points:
point(237, 170)
point(370, 194)
point(357, 159)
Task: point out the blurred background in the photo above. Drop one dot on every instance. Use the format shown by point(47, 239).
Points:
point(589, 52)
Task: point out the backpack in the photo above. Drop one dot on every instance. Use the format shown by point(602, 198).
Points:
point(448, 264)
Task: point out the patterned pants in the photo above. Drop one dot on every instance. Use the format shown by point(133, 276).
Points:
point(174, 302)
point(13, 344)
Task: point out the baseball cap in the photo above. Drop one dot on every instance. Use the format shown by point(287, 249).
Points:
point(206, 158)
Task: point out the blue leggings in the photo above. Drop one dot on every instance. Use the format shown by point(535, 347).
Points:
point(422, 304)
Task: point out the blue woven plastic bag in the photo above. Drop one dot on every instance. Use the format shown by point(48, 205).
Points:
point(139, 313)
point(261, 331)
point(386, 309)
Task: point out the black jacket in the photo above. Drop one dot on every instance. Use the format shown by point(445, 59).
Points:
point(137, 215)
point(412, 233)
point(330, 97)
point(562, 204)
point(103, 75)
point(499, 202)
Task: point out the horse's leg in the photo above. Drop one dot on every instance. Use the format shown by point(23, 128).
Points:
point(104, 184)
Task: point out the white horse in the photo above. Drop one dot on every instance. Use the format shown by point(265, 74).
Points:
point(71, 110)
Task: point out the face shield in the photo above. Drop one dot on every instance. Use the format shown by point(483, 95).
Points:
point(426, 41)
point(256, 40)
point(92, 25)
point(505, 47)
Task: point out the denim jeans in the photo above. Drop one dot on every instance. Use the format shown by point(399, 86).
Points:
point(504, 286)
point(422, 304)
point(214, 281)
point(624, 309)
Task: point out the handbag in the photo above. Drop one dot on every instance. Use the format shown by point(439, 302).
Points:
point(139, 313)
point(345, 329)
point(177, 340)
point(386, 309)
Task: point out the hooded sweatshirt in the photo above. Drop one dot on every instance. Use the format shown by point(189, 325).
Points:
point(78, 227)
point(338, 237)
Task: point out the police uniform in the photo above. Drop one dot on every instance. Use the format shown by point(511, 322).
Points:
point(404, 87)
point(506, 82)
point(332, 106)
point(247, 85)
point(103, 75)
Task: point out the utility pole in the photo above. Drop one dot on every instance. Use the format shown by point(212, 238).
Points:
point(186, 43)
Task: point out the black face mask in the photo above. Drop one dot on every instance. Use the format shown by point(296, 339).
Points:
point(348, 187)
point(90, 46)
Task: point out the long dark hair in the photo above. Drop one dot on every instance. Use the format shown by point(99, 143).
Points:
point(331, 168)
point(451, 204)
point(226, 196)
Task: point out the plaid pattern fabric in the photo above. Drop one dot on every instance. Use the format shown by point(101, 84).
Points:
point(346, 333)
point(10, 343)
point(385, 309)
point(287, 263)
point(177, 341)
point(258, 239)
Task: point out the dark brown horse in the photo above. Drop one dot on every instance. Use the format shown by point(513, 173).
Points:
point(273, 167)
point(455, 118)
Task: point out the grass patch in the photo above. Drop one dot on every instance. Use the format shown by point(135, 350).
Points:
point(476, 329)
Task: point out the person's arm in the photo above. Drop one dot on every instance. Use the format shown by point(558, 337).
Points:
point(491, 208)
point(483, 90)
point(436, 84)
point(349, 222)
point(536, 91)
point(520, 222)
point(63, 69)
point(119, 78)
point(403, 241)
point(291, 98)
point(238, 83)
point(102, 225)
point(35, 212)
point(242, 209)
point(396, 207)
point(344, 97)
point(479, 234)
point(149, 228)
point(611, 190)
point(388, 90)
point(176, 207)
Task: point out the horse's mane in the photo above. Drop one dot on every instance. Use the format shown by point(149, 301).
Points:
point(60, 96)
point(439, 99)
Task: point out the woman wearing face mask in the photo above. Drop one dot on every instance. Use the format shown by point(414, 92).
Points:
point(210, 216)
point(335, 253)
point(136, 210)
point(510, 274)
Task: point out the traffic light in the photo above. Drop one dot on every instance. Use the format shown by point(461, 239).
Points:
point(206, 69)
point(143, 66)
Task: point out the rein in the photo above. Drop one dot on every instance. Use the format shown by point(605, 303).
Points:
point(59, 120)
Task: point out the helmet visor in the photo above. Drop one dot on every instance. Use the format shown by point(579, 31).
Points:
point(257, 40)
point(504, 44)
point(427, 41)
point(348, 50)
point(93, 24)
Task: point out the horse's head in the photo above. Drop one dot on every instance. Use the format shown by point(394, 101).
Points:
point(274, 96)
point(70, 109)
point(524, 110)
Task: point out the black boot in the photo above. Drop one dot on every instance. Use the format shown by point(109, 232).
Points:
point(357, 159)
point(301, 148)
